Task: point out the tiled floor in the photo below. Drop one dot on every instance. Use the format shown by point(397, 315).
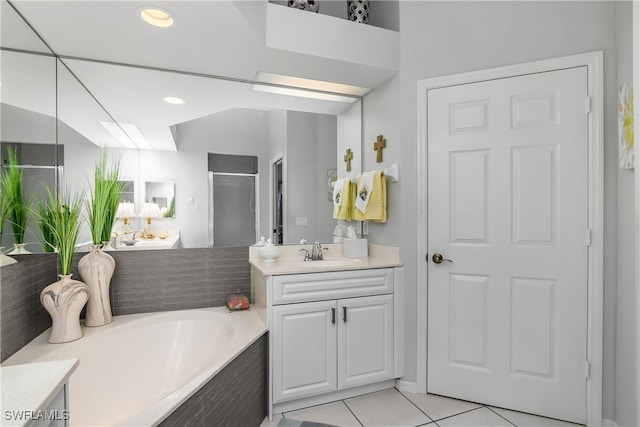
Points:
point(391, 408)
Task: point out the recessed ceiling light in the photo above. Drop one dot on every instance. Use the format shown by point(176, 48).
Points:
point(156, 16)
point(173, 100)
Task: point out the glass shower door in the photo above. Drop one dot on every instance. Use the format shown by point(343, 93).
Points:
point(233, 220)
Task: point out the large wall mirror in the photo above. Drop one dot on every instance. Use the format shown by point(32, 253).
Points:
point(77, 106)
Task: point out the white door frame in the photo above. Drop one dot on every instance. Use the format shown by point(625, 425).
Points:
point(594, 63)
point(277, 158)
point(636, 106)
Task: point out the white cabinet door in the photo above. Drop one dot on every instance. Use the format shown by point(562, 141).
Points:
point(304, 350)
point(365, 340)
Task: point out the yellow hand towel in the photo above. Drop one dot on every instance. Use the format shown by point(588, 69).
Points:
point(376, 210)
point(343, 199)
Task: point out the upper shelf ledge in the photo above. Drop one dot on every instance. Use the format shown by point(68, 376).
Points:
point(326, 36)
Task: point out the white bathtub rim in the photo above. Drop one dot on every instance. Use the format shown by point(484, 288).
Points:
point(248, 327)
point(39, 349)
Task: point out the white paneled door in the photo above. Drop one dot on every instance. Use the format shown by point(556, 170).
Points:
point(508, 242)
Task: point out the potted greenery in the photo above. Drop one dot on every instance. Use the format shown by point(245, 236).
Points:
point(65, 298)
point(44, 213)
point(103, 202)
point(4, 215)
point(11, 186)
point(97, 267)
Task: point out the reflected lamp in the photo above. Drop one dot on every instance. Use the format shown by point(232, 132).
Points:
point(125, 212)
point(150, 211)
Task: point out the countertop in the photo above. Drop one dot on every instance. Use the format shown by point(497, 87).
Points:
point(291, 261)
point(29, 388)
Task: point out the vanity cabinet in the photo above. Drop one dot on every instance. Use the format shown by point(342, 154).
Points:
point(324, 346)
point(331, 334)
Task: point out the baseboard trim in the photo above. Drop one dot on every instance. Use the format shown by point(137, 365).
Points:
point(408, 386)
point(609, 423)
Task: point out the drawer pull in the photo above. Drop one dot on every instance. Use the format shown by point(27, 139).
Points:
point(333, 315)
point(344, 313)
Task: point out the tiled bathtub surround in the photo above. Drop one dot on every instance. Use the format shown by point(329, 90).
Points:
point(177, 279)
point(144, 281)
point(236, 396)
point(22, 317)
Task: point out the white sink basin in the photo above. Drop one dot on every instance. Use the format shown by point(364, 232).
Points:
point(327, 263)
point(151, 243)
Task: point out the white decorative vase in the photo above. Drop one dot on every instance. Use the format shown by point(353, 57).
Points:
point(96, 270)
point(5, 260)
point(269, 252)
point(358, 11)
point(19, 249)
point(64, 300)
point(106, 246)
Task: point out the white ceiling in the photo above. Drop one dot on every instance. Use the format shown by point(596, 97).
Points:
point(210, 38)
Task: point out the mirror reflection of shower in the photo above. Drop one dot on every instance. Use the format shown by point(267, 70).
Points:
point(233, 215)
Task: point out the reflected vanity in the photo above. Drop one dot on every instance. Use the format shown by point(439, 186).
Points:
point(70, 108)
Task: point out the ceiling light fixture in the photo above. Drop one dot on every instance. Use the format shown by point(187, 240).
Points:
point(174, 100)
point(157, 17)
point(319, 85)
point(127, 134)
point(304, 93)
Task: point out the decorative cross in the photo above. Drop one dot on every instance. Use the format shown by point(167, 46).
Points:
point(347, 159)
point(378, 146)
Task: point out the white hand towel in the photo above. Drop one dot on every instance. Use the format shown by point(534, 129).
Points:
point(338, 185)
point(365, 186)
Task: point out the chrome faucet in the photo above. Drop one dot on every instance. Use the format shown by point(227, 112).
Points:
point(306, 254)
point(316, 252)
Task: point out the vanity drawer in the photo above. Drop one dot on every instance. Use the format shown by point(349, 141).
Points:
point(294, 288)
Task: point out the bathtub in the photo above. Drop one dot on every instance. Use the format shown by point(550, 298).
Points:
point(141, 367)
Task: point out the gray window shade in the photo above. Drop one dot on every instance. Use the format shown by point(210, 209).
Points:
point(226, 163)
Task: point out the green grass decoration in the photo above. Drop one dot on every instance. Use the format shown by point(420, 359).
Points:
point(4, 209)
point(172, 209)
point(45, 215)
point(103, 202)
point(11, 186)
point(63, 222)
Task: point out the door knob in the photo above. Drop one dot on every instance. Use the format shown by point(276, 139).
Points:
point(438, 258)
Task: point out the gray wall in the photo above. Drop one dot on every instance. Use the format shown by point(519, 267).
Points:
point(440, 38)
point(626, 398)
point(144, 281)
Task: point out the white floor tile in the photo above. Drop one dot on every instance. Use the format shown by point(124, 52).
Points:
point(438, 407)
point(274, 423)
point(482, 417)
point(336, 414)
point(527, 420)
point(387, 408)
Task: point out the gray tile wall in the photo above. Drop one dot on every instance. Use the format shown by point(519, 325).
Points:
point(22, 317)
point(236, 396)
point(144, 281)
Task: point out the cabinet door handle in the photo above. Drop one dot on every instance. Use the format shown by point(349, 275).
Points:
point(333, 315)
point(344, 313)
